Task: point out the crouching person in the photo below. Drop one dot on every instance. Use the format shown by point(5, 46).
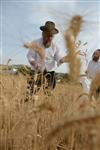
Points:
point(44, 53)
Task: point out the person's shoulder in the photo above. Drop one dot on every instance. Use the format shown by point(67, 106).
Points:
point(90, 62)
point(54, 45)
point(99, 63)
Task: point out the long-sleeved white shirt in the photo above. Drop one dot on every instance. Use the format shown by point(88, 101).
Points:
point(93, 68)
point(52, 55)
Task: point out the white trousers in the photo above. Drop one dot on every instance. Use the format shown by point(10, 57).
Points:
point(86, 83)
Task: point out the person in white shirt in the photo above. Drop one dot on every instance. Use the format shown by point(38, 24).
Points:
point(92, 69)
point(43, 53)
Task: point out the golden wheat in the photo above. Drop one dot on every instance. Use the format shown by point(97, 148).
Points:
point(95, 85)
point(33, 46)
point(26, 125)
point(70, 39)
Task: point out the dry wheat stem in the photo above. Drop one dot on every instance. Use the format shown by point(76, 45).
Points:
point(70, 38)
point(39, 50)
point(62, 147)
point(71, 122)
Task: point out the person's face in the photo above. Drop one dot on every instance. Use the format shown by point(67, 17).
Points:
point(96, 56)
point(47, 39)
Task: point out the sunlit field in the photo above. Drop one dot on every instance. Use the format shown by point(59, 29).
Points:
point(64, 119)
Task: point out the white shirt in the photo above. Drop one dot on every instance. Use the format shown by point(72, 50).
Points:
point(93, 68)
point(52, 55)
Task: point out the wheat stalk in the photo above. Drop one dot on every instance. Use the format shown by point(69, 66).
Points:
point(71, 122)
point(70, 39)
point(95, 85)
point(34, 47)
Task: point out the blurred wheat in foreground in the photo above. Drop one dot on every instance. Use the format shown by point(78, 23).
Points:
point(95, 86)
point(56, 122)
point(70, 39)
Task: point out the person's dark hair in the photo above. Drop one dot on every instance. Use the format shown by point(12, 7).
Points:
point(98, 50)
point(94, 57)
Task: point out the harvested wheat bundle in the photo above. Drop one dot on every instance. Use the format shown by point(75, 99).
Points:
point(70, 39)
point(36, 48)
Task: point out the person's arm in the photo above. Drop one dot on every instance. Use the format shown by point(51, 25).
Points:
point(88, 70)
point(66, 58)
point(33, 46)
point(58, 56)
point(31, 56)
point(34, 64)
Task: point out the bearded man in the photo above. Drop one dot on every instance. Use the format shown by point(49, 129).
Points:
point(92, 70)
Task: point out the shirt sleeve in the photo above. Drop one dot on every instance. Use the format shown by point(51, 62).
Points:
point(99, 66)
point(88, 67)
point(31, 55)
point(58, 55)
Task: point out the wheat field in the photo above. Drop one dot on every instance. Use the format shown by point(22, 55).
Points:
point(64, 119)
point(61, 120)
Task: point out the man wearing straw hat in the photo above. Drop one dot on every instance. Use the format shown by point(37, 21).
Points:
point(44, 53)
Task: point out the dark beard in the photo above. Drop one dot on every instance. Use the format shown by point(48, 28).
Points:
point(47, 44)
point(95, 59)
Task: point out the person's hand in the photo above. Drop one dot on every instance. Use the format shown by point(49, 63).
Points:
point(61, 61)
point(78, 53)
point(34, 64)
point(64, 59)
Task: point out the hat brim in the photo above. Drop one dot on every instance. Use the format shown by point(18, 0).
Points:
point(44, 28)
